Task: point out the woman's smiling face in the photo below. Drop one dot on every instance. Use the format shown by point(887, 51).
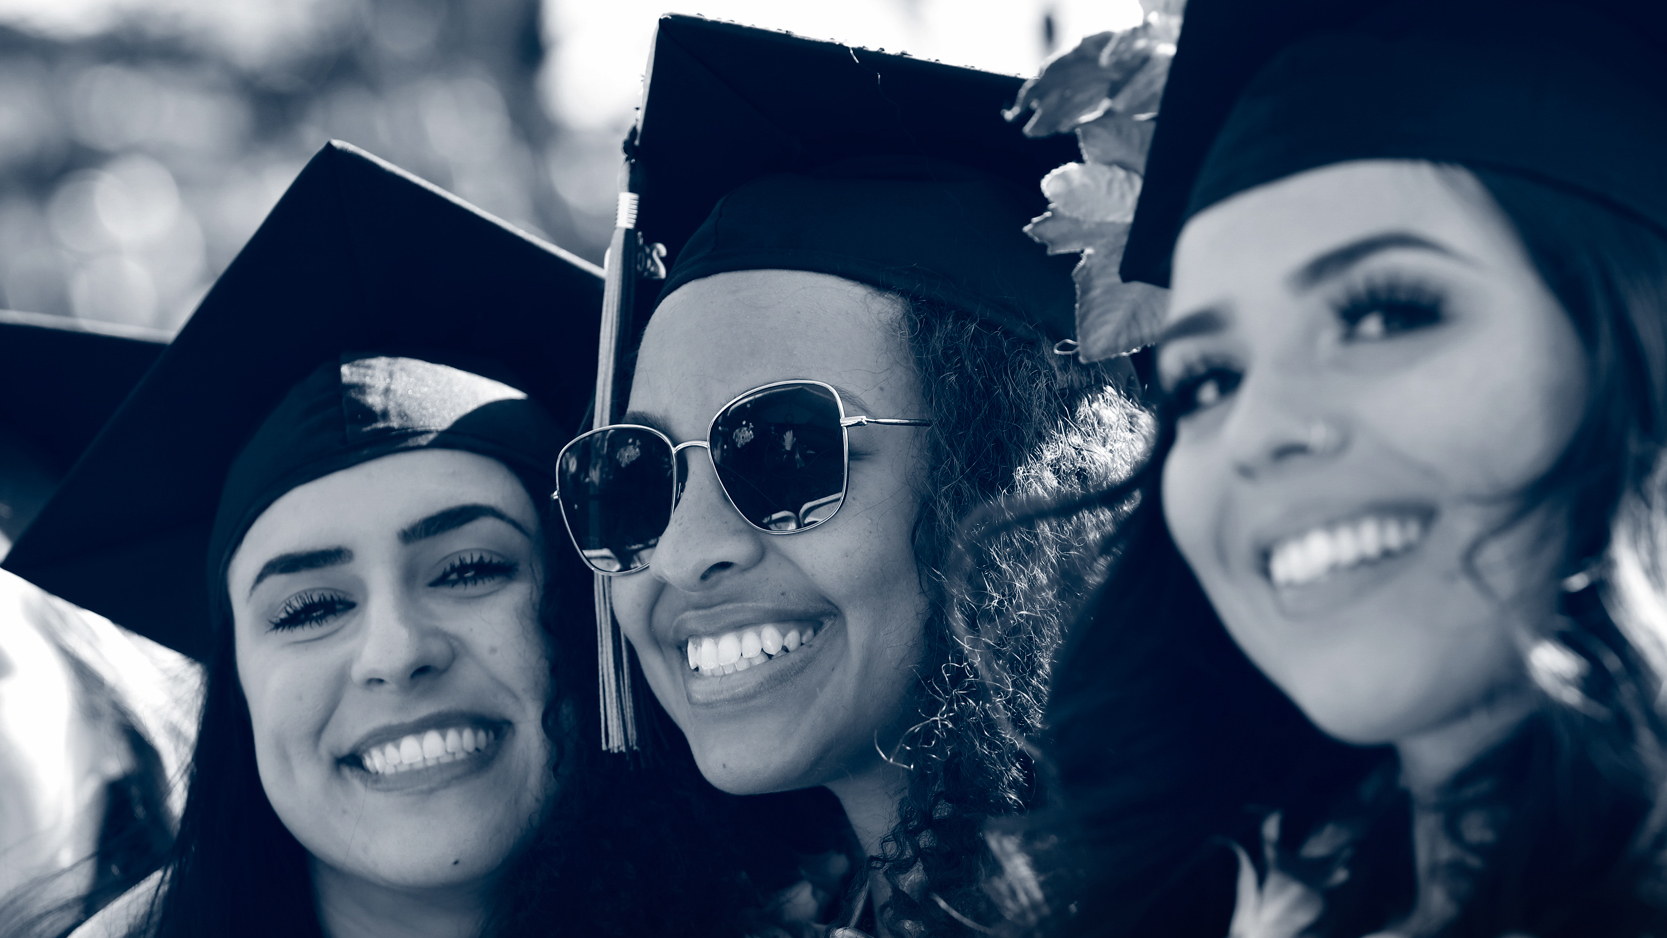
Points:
point(389, 647)
point(1371, 372)
point(848, 589)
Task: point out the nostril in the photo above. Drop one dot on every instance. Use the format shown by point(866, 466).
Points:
point(716, 568)
point(1286, 451)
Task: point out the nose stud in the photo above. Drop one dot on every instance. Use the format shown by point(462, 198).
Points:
point(1323, 438)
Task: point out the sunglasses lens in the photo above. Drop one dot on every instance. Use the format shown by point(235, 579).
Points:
point(780, 454)
point(615, 488)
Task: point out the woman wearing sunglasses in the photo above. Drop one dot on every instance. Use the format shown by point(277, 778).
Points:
point(1400, 530)
point(844, 359)
point(391, 737)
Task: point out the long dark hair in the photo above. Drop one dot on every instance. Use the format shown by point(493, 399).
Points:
point(1009, 417)
point(1164, 743)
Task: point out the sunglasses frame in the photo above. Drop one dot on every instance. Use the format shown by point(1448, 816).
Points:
point(845, 425)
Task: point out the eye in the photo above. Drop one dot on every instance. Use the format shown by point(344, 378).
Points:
point(1379, 310)
point(475, 568)
point(1204, 387)
point(314, 607)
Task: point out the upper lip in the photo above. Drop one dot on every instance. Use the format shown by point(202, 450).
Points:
point(433, 721)
point(1301, 522)
point(730, 617)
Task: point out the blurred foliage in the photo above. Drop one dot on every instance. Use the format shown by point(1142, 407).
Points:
point(137, 159)
point(1106, 90)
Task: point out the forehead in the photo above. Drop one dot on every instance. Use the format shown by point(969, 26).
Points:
point(1260, 235)
point(721, 335)
point(372, 501)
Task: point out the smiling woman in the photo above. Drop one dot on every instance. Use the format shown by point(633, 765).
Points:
point(853, 348)
point(1401, 527)
point(390, 743)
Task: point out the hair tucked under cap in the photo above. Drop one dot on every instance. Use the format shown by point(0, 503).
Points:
point(919, 226)
point(369, 405)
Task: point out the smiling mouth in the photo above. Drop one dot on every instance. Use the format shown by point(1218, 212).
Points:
point(425, 750)
point(716, 655)
point(1313, 555)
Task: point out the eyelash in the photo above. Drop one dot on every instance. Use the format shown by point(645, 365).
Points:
point(308, 609)
point(1182, 398)
point(474, 569)
point(1399, 305)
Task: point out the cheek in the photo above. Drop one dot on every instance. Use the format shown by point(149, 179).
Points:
point(1192, 491)
point(1494, 414)
point(290, 699)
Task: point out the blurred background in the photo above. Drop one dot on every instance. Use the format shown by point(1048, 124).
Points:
point(142, 141)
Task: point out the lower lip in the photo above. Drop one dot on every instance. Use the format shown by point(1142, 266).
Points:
point(754, 682)
point(1343, 587)
point(419, 781)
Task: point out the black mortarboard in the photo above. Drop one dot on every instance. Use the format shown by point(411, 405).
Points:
point(60, 380)
point(807, 121)
point(357, 256)
point(1572, 93)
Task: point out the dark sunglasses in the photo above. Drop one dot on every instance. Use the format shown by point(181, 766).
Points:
point(781, 452)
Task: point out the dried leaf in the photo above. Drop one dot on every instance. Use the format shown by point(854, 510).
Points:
point(1145, 89)
point(1092, 191)
point(1114, 317)
point(1075, 85)
point(1068, 234)
point(1117, 140)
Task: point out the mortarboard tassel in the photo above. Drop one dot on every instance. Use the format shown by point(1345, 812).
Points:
point(629, 259)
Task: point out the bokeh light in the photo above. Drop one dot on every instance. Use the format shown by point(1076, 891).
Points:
point(142, 141)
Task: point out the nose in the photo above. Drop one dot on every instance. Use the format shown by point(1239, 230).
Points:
point(1277, 431)
point(397, 647)
point(707, 538)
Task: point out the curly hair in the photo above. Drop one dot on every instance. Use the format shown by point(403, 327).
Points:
point(1009, 417)
point(1166, 742)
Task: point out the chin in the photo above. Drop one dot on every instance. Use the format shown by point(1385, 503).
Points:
point(749, 769)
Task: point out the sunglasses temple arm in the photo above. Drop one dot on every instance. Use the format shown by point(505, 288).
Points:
point(860, 421)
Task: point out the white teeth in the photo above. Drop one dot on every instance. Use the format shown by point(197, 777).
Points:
point(420, 751)
point(743, 649)
point(434, 745)
point(1301, 560)
point(729, 648)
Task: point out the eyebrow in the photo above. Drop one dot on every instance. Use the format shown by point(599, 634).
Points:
point(302, 561)
point(1206, 321)
point(1337, 260)
point(453, 518)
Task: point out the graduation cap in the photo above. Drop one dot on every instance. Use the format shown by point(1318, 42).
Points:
point(896, 172)
point(60, 380)
point(1572, 93)
point(357, 256)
